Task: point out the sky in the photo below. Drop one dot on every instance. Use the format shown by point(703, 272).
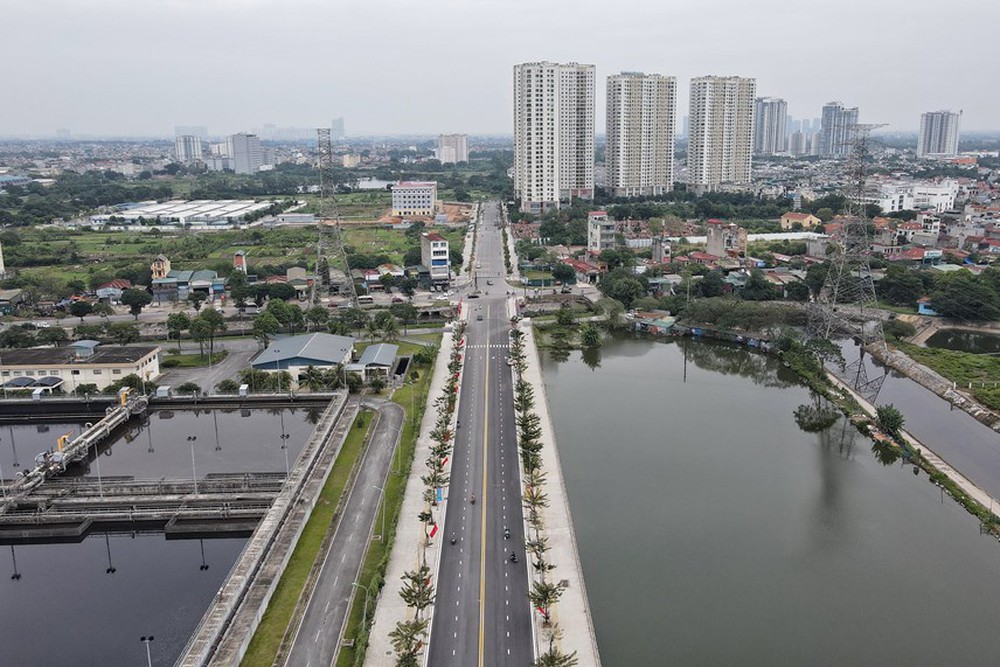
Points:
point(142, 67)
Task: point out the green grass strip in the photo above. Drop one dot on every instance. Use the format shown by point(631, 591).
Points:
point(266, 640)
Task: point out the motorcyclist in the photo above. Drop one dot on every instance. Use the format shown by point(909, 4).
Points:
point(506, 532)
point(453, 538)
point(513, 557)
point(473, 499)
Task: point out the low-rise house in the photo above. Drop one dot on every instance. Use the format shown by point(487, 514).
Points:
point(376, 361)
point(111, 292)
point(806, 220)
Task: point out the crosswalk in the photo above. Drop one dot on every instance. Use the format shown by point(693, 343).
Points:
point(483, 346)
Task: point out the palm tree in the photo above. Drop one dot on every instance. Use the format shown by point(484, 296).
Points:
point(407, 639)
point(556, 658)
point(590, 335)
point(543, 595)
point(417, 591)
point(313, 379)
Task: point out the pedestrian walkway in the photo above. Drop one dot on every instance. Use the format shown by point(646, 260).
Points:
point(572, 612)
point(390, 608)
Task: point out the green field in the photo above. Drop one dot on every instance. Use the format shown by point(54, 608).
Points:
point(981, 371)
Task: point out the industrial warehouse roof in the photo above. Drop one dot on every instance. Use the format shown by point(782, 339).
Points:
point(53, 356)
point(381, 354)
point(319, 348)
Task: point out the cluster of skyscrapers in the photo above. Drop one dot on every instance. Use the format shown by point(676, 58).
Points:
point(727, 124)
point(240, 153)
point(554, 133)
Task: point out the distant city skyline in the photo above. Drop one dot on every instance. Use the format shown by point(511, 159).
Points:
point(116, 68)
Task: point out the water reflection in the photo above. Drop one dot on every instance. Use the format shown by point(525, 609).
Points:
point(725, 514)
point(592, 357)
point(977, 342)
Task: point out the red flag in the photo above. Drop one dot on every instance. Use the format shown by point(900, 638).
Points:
point(445, 462)
point(434, 529)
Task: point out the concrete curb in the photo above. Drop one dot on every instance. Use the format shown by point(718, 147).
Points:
point(572, 612)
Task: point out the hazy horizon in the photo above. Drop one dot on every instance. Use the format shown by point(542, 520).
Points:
point(116, 69)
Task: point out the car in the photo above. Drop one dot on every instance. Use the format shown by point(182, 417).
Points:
point(396, 299)
point(41, 325)
point(566, 290)
point(489, 282)
point(474, 295)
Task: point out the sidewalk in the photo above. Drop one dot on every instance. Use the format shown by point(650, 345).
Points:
point(572, 612)
point(515, 272)
point(390, 608)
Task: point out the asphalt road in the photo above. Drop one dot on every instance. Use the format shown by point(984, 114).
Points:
point(240, 351)
point(318, 637)
point(482, 615)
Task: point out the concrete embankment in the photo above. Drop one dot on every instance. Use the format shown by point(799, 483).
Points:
point(227, 627)
point(935, 460)
point(572, 612)
point(936, 383)
point(407, 549)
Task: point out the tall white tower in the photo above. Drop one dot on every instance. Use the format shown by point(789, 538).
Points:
point(641, 124)
point(770, 116)
point(720, 138)
point(553, 134)
point(938, 134)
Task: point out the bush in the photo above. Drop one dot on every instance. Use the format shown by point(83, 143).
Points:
point(898, 329)
point(170, 363)
point(189, 388)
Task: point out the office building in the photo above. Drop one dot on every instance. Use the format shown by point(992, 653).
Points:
point(246, 152)
point(640, 152)
point(720, 143)
point(452, 148)
point(553, 134)
point(835, 129)
point(188, 147)
point(414, 198)
point(436, 257)
point(938, 134)
point(770, 120)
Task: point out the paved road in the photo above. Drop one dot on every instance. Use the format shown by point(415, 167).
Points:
point(318, 637)
point(240, 352)
point(482, 615)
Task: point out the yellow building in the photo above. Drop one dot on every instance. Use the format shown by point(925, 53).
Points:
point(807, 220)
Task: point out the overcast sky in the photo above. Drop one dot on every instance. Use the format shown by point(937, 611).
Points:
point(140, 67)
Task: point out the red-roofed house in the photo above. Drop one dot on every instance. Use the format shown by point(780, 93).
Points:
point(807, 220)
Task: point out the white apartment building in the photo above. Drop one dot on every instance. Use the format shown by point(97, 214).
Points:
point(600, 232)
point(452, 148)
point(188, 148)
point(835, 129)
point(414, 198)
point(641, 125)
point(938, 134)
point(770, 117)
point(553, 134)
point(917, 196)
point(720, 135)
point(246, 153)
point(435, 255)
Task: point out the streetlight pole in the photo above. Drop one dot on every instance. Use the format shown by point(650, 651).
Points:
point(3, 483)
point(364, 615)
point(204, 565)
point(194, 473)
point(97, 460)
point(149, 656)
point(111, 569)
point(381, 500)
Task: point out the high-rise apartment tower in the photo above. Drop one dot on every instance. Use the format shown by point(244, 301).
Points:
point(247, 155)
point(720, 140)
point(640, 151)
point(770, 118)
point(835, 129)
point(188, 147)
point(553, 134)
point(452, 148)
point(938, 134)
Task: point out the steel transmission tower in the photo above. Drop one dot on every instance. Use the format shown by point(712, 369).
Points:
point(847, 305)
point(328, 211)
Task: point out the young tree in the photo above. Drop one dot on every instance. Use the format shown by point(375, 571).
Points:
point(590, 335)
point(177, 323)
point(104, 310)
point(228, 386)
point(81, 309)
point(196, 299)
point(123, 333)
point(317, 316)
point(189, 388)
point(265, 325)
point(215, 324)
point(136, 299)
point(889, 419)
point(543, 595)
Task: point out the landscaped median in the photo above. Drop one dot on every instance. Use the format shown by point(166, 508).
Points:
point(272, 629)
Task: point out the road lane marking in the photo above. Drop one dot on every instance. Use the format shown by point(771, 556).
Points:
point(482, 543)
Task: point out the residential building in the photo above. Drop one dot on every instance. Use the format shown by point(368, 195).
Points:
point(337, 130)
point(160, 267)
point(246, 152)
point(295, 354)
point(661, 250)
point(720, 142)
point(806, 220)
point(938, 134)
point(78, 364)
point(769, 135)
point(725, 239)
point(600, 232)
point(835, 129)
point(188, 148)
point(452, 148)
point(435, 255)
point(641, 109)
point(414, 198)
point(553, 134)
point(240, 262)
